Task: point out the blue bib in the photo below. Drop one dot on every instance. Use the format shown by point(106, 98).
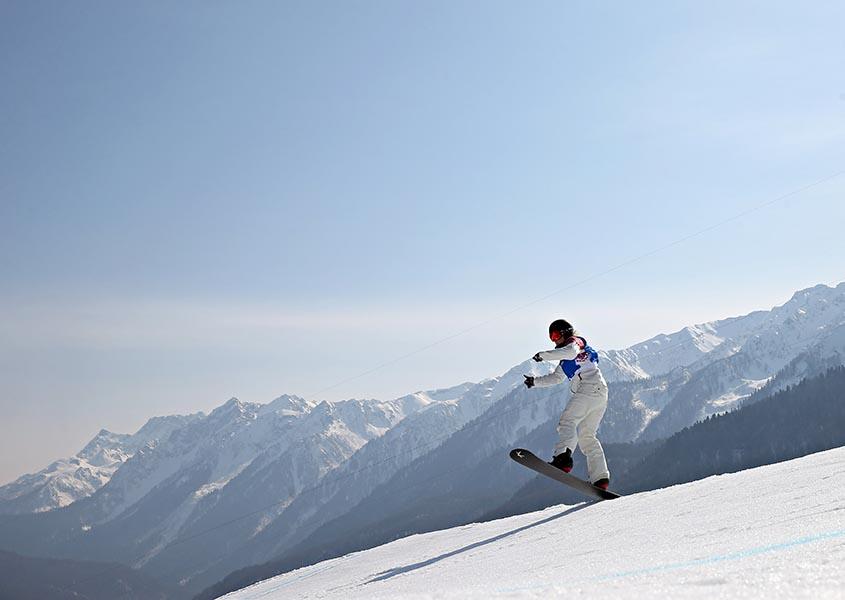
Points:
point(587, 355)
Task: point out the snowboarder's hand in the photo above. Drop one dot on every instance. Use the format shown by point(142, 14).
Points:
point(537, 357)
point(529, 381)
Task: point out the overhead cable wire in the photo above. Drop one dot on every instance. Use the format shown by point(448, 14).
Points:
point(576, 284)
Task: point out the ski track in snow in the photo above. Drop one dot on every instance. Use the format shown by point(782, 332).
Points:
point(773, 532)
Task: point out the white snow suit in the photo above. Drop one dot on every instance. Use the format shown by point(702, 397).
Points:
point(585, 409)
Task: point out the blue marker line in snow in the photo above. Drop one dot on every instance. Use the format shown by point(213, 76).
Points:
point(725, 557)
point(693, 563)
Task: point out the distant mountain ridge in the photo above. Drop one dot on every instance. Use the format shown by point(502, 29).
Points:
point(68, 480)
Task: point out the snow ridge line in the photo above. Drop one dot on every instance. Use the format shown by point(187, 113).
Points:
point(290, 582)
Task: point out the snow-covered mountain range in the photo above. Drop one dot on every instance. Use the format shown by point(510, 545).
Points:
point(191, 498)
point(68, 480)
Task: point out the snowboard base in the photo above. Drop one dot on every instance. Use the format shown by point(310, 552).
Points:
point(528, 459)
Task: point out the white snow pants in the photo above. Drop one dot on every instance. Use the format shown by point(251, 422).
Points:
point(580, 420)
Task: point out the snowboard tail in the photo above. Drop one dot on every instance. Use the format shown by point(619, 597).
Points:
point(528, 459)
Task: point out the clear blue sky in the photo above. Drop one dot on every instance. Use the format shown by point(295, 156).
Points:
point(217, 199)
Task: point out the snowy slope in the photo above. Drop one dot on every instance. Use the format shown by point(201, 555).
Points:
point(773, 532)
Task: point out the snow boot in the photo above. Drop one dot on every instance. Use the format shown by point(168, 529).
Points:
point(563, 461)
point(602, 483)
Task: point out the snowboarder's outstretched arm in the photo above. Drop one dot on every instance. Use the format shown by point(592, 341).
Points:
point(567, 352)
point(553, 378)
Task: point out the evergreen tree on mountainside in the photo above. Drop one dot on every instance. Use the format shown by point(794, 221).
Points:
point(30, 578)
point(806, 418)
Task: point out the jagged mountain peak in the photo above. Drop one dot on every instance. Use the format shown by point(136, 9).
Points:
point(234, 409)
point(231, 404)
point(289, 404)
point(818, 293)
point(106, 448)
point(808, 312)
point(160, 427)
point(820, 297)
point(104, 437)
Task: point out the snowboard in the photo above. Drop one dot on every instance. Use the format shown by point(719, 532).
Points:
point(527, 459)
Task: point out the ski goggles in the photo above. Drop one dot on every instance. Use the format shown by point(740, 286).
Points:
point(555, 336)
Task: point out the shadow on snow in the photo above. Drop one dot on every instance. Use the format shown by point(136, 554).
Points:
point(413, 567)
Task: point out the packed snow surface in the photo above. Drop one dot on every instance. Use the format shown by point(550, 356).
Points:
point(773, 532)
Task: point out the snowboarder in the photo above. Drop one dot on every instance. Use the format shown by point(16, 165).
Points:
point(585, 409)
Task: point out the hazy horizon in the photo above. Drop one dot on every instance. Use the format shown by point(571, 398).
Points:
point(206, 408)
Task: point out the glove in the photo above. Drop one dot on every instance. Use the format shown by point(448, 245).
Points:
point(529, 381)
point(537, 357)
